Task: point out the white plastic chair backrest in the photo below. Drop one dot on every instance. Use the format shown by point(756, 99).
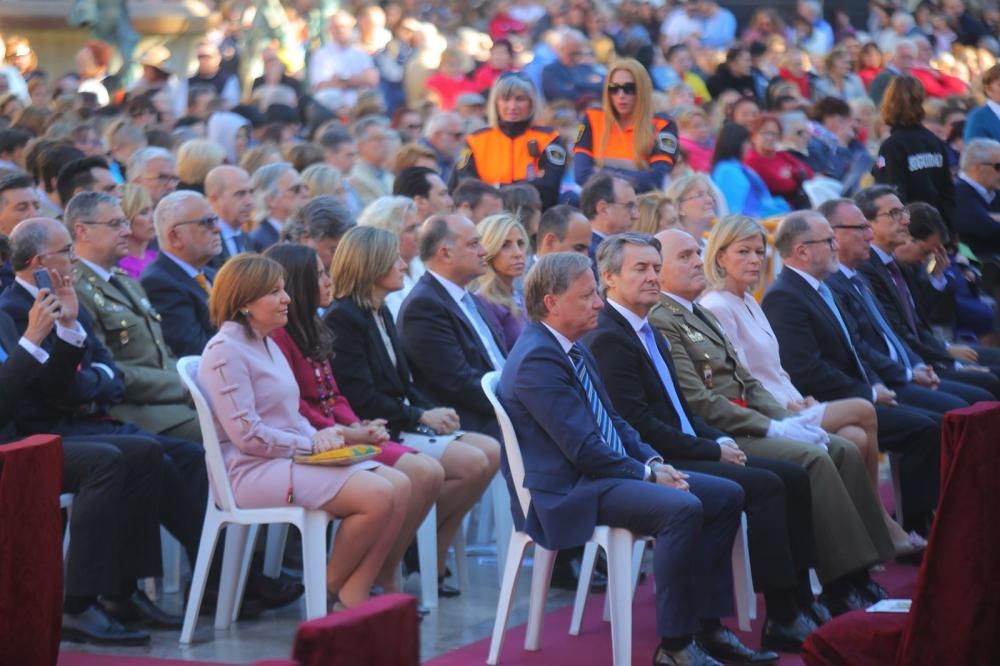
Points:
point(187, 368)
point(511, 447)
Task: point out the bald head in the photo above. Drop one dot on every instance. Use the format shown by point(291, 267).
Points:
point(228, 191)
point(450, 246)
point(40, 242)
point(682, 273)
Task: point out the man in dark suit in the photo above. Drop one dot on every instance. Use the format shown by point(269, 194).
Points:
point(18, 202)
point(977, 208)
point(282, 193)
point(914, 382)
point(117, 482)
point(889, 220)
point(609, 203)
point(585, 466)
point(815, 337)
point(228, 191)
point(179, 280)
point(635, 366)
point(80, 409)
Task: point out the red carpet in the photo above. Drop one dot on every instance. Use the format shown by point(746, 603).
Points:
point(83, 659)
point(593, 645)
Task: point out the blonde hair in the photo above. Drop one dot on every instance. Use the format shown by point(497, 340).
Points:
point(322, 179)
point(135, 198)
point(196, 158)
point(258, 156)
point(504, 87)
point(650, 204)
point(642, 114)
point(730, 229)
point(387, 213)
point(681, 186)
point(493, 231)
point(363, 255)
point(410, 154)
point(241, 281)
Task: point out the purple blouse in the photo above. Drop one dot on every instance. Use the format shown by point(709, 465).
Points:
point(509, 324)
point(134, 266)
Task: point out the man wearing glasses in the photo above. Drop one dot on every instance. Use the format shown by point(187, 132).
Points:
point(977, 207)
point(817, 340)
point(610, 204)
point(179, 280)
point(155, 169)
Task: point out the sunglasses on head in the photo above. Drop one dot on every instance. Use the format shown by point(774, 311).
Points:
point(627, 88)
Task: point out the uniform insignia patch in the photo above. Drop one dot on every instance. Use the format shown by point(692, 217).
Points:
point(666, 142)
point(556, 154)
point(463, 159)
point(580, 129)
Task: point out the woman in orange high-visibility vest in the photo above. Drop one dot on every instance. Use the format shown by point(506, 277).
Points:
point(624, 136)
point(511, 149)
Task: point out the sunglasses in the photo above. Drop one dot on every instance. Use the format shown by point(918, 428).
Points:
point(996, 166)
point(627, 88)
point(208, 222)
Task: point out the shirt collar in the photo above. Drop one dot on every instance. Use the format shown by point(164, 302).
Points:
point(882, 254)
point(228, 231)
point(186, 267)
point(563, 341)
point(634, 320)
point(993, 105)
point(980, 190)
point(30, 288)
point(275, 224)
point(813, 282)
point(849, 273)
point(688, 305)
point(456, 292)
point(100, 271)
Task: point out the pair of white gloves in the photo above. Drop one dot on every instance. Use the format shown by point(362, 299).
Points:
point(803, 427)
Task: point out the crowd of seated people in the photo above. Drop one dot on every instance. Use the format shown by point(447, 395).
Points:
point(719, 271)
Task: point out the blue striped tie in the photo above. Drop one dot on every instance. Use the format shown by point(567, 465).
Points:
point(604, 422)
point(886, 330)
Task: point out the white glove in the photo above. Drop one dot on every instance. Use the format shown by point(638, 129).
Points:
point(813, 415)
point(795, 428)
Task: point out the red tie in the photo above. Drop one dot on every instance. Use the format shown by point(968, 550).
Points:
point(904, 294)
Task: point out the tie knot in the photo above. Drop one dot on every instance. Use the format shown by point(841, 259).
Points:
point(576, 354)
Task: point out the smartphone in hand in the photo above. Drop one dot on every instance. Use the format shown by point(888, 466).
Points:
point(44, 281)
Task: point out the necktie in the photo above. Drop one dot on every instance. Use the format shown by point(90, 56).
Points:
point(3, 354)
point(649, 340)
point(700, 314)
point(483, 330)
point(117, 284)
point(604, 422)
point(827, 295)
point(203, 283)
point(239, 244)
point(904, 293)
point(873, 311)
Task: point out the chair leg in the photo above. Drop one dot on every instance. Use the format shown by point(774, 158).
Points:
point(583, 587)
point(508, 582)
point(206, 549)
point(274, 553)
point(245, 562)
point(502, 520)
point(483, 518)
point(427, 556)
point(619, 550)
point(817, 587)
point(236, 542)
point(172, 559)
point(746, 600)
point(314, 563)
point(897, 484)
point(541, 576)
point(461, 560)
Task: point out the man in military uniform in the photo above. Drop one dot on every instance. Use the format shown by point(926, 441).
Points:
point(155, 399)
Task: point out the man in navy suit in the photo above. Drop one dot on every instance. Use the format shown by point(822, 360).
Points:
point(179, 280)
point(815, 337)
point(977, 208)
point(228, 191)
point(609, 203)
point(281, 192)
point(585, 466)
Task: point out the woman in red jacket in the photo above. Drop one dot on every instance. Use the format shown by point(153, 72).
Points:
point(780, 170)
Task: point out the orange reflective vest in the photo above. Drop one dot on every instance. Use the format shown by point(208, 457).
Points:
point(497, 159)
point(622, 141)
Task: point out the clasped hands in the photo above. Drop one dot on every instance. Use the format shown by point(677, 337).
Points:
point(362, 432)
point(666, 475)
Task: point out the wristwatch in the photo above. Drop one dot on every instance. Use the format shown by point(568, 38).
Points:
point(652, 474)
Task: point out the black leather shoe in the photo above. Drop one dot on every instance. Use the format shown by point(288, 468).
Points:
point(445, 590)
point(844, 603)
point(139, 610)
point(95, 626)
point(722, 644)
point(566, 577)
point(273, 592)
point(819, 613)
point(692, 655)
point(250, 610)
point(873, 592)
point(787, 637)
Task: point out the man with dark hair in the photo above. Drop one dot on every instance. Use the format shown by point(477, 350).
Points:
point(734, 74)
point(13, 141)
point(89, 174)
point(51, 162)
point(425, 187)
point(475, 199)
point(609, 203)
point(563, 229)
point(18, 200)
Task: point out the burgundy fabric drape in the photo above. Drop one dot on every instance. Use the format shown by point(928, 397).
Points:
point(381, 632)
point(31, 565)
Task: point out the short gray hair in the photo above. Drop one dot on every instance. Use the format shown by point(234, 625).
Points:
point(27, 241)
point(791, 229)
point(439, 120)
point(977, 151)
point(359, 130)
point(265, 185)
point(165, 215)
point(551, 274)
point(611, 252)
point(141, 158)
point(387, 213)
point(83, 207)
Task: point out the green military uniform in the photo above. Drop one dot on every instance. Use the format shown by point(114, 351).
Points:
point(847, 518)
point(155, 400)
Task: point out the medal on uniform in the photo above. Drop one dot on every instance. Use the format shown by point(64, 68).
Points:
point(692, 335)
point(706, 374)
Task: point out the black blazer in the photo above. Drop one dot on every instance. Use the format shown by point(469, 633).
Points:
point(638, 394)
point(182, 304)
point(445, 352)
point(922, 341)
point(375, 387)
point(71, 386)
point(973, 221)
point(872, 347)
point(813, 348)
point(16, 374)
point(263, 237)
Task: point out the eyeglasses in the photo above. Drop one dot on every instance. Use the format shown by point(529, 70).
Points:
point(456, 135)
point(627, 88)
point(699, 195)
point(414, 126)
point(68, 251)
point(116, 224)
point(896, 214)
point(857, 227)
point(208, 222)
point(631, 206)
point(831, 242)
point(996, 166)
point(164, 177)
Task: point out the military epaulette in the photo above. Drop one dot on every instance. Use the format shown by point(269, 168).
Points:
point(117, 270)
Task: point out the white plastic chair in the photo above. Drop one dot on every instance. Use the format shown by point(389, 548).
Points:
point(66, 503)
point(311, 524)
point(616, 542)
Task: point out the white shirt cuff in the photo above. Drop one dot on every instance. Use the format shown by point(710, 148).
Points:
point(75, 336)
point(37, 352)
point(909, 375)
point(874, 395)
point(725, 440)
point(105, 369)
point(939, 282)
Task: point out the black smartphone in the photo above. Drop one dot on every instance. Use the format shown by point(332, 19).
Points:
point(42, 279)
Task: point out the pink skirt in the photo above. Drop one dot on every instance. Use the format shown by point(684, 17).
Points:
point(392, 452)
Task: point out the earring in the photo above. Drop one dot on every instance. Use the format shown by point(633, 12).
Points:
point(246, 313)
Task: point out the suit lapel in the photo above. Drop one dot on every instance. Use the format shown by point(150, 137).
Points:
point(400, 371)
point(798, 283)
point(882, 273)
point(459, 313)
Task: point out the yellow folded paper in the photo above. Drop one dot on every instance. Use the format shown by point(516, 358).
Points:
point(347, 455)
